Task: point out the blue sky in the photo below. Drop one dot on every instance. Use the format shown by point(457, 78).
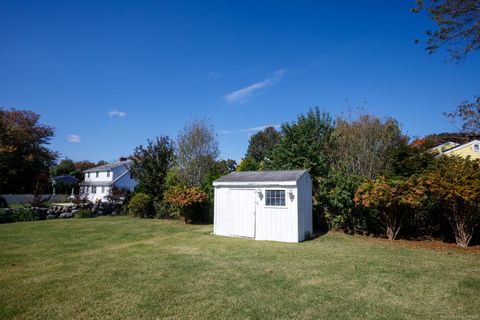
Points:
point(108, 75)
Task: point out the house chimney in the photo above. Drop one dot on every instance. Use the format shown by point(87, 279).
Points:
point(123, 159)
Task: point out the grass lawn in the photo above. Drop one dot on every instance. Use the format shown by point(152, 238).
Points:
point(121, 268)
point(19, 205)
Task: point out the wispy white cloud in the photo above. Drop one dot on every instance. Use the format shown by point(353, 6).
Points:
point(214, 75)
point(244, 94)
point(73, 138)
point(116, 113)
point(250, 130)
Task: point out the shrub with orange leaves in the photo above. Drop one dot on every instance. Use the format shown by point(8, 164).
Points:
point(454, 182)
point(187, 199)
point(392, 198)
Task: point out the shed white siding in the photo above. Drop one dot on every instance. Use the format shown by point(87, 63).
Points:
point(241, 210)
point(305, 224)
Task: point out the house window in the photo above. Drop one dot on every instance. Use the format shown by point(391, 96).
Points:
point(96, 174)
point(476, 147)
point(94, 189)
point(88, 175)
point(131, 175)
point(275, 198)
point(108, 174)
point(103, 189)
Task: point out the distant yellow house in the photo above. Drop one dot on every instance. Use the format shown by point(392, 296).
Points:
point(444, 146)
point(471, 149)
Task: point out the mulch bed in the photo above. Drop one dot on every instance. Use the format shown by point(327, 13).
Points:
point(430, 244)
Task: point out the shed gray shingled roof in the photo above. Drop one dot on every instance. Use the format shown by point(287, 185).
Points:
point(262, 176)
point(110, 166)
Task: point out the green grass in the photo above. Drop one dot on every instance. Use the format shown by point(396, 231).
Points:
point(19, 205)
point(123, 268)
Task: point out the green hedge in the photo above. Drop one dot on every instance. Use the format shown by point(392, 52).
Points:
point(84, 213)
point(17, 215)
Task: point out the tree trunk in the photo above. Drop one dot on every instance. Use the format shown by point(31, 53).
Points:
point(390, 232)
point(462, 234)
point(186, 214)
point(462, 225)
point(393, 222)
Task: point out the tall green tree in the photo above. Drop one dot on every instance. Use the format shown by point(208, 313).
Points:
point(25, 158)
point(219, 169)
point(262, 143)
point(337, 198)
point(248, 164)
point(305, 145)
point(65, 167)
point(409, 160)
point(151, 164)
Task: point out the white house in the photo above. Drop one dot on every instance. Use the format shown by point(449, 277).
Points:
point(99, 180)
point(264, 205)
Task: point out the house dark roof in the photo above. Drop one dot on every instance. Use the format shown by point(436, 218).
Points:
point(65, 179)
point(262, 176)
point(110, 166)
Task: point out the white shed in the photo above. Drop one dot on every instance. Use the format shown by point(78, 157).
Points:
point(264, 205)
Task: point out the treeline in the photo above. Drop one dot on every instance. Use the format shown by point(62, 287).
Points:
point(368, 178)
point(175, 175)
point(26, 162)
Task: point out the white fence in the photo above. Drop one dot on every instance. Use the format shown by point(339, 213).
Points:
point(26, 198)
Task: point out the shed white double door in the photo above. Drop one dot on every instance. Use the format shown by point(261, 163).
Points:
point(241, 213)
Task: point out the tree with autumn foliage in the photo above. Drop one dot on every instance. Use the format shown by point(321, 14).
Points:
point(458, 26)
point(392, 198)
point(187, 200)
point(454, 182)
point(24, 156)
